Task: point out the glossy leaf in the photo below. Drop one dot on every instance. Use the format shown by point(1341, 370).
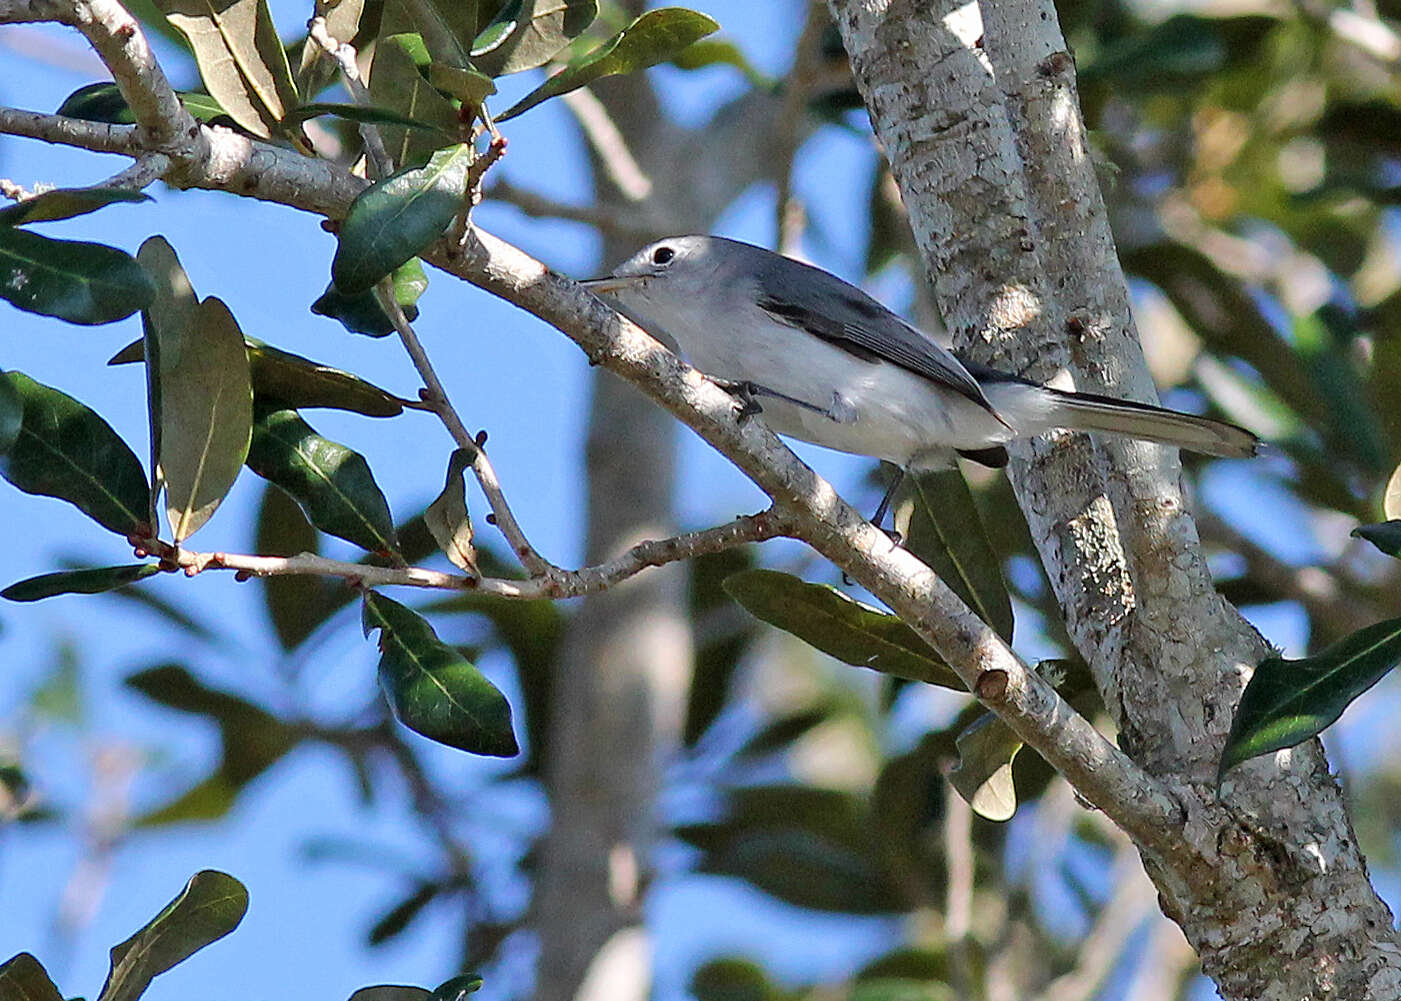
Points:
point(983, 775)
point(362, 313)
point(65, 450)
point(11, 414)
point(447, 516)
point(529, 33)
point(300, 382)
point(939, 522)
point(655, 37)
point(397, 81)
point(241, 59)
point(90, 581)
point(211, 905)
point(391, 221)
point(1385, 535)
point(359, 113)
point(457, 988)
point(1289, 701)
point(296, 604)
point(206, 413)
point(23, 978)
point(391, 992)
point(251, 740)
point(333, 485)
point(839, 626)
point(103, 102)
point(66, 203)
point(86, 283)
point(432, 689)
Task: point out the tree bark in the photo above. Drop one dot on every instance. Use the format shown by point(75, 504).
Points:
point(980, 120)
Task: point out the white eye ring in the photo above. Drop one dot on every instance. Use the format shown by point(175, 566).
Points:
point(663, 256)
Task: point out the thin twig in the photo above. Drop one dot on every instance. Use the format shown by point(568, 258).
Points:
point(633, 225)
point(559, 584)
point(958, 893)
point(99, 137)
point(141, 174)
point(807, 58)
point(344, 54)
point(608, 142)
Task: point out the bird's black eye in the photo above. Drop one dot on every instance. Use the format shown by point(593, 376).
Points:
point(663, 255)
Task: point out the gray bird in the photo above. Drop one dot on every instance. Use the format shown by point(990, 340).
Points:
point(838, 369)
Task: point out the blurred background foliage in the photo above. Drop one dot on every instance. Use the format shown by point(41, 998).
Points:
point(1250, 154)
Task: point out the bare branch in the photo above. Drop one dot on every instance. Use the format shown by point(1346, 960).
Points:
point(557, 585)
point(98, 137)
point(141, 174)
point(616, 223)
point(807, 59)
point(612, 149)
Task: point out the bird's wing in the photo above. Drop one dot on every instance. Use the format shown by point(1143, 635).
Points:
point(844, 316)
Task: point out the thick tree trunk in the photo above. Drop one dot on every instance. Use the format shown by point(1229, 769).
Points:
point(979, 117)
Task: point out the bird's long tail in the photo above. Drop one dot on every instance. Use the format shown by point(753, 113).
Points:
point(1033, 409)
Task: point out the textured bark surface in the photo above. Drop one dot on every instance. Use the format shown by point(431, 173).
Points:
point(979, 117)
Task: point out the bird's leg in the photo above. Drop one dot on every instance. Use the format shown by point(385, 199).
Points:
point(884, 505)
point(746, 392)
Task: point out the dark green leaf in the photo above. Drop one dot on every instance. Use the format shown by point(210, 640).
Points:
point(467, 85)
point(11, 415)
point(363, 314)
point(65, 450)
point(529, 33)
point(23, 978)
point(333, 485)
point(393, 219)
point(457, 988)
point(363, 114)
point(1289, 701)
point(734, 980)
point(840, 626)
point(398, 917)
point(447, 516)
point(719, 51)
point(655, 37)
point(85, 283)
point(1385, 535)
point(723, 633)
point(211, 905)
point(103, 102)
point(251, 740)
point(296, 604)
point(432, 689)
point(93, 581)
point(65, 203)
point(300, 382)
point(1184, 46)
point(241, 59)
point(935, 514)
point(398, 81)
point(900, 990)
point(781, 733)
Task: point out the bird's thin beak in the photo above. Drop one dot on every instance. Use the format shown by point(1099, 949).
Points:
point(606, 284)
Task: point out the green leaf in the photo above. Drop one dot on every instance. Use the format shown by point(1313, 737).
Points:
point(432, 689)
point(333, 485)
point(983, 775)
point(362, 313)
point(103, 102)
point(300, 382)
point(206, 412)
point(65, 203)
point(23, 978)
point(655, 37)
point(397, 81)
point(447, 516)
point(935, 514)
point(297, 604)
point(716, 52)
point(1385, 535)
point(394, 921)
point(1289, 701)
point(457, 988)
point(467, 85)
point(240, 57)
point(65, 450)
point(529, 33)
point(391, 221)
point(732, 979)
point(362, 114)
point(841, 627)
point(11, 414)
point(211, 905)
point(92, 581)
point(251, 740)
point(86, 283)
